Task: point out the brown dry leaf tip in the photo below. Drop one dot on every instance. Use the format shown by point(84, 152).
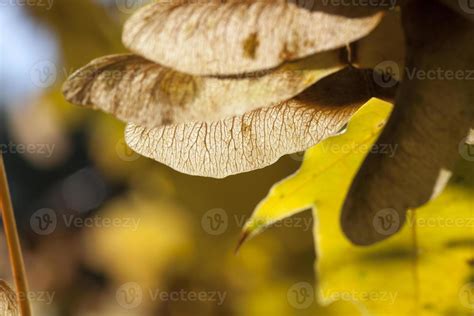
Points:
point(140, 91)
point(242, 239)
point(233, 37)
point(8, 300)
point(258, 138)
point(431, 118)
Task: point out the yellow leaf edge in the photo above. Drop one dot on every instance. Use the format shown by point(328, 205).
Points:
point(255, 224)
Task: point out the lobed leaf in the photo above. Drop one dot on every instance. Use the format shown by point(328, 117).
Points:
point(394, 277)
point(326, 172)
point(406, 274)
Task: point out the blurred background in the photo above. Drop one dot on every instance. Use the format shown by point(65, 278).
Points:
point(105, 231)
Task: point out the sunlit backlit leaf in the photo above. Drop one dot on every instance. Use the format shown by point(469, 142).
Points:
point(326, 172)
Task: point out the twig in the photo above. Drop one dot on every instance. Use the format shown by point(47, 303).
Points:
point(13, 243)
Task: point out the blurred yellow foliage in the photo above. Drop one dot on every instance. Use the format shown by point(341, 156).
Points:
point(426, 269)
point(150, 235)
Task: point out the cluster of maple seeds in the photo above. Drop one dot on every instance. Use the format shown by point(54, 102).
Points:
point(216, 88)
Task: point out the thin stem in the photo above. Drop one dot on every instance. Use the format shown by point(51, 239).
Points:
point(13, 243)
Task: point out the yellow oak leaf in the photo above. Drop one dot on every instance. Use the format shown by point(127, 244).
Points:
point(425, 269)
point(326, 171)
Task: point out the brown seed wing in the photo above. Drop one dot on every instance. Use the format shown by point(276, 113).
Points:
point(259, 138)
point(432, 117)
point(232, 37)
point(140, 91)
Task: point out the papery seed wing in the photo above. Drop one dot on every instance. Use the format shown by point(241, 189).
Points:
point(233, 37)
point(145, 93)
point(259, 138)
